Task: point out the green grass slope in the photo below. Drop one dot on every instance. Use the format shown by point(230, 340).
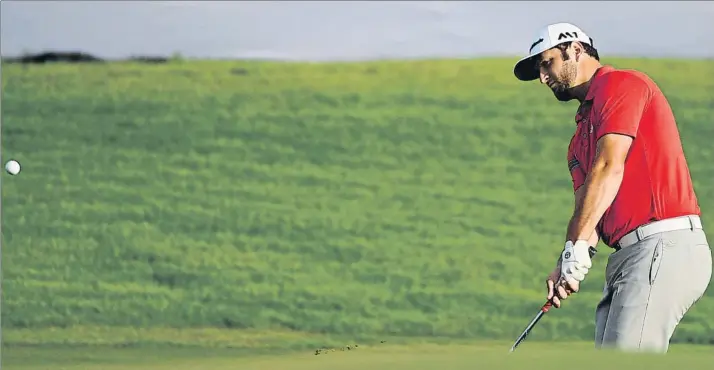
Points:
point(376, 357)
point(410, 199)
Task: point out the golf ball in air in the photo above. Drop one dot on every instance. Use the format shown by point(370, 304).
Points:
point(12, 167)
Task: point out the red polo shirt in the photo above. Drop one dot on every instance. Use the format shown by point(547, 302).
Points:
point(656, 183)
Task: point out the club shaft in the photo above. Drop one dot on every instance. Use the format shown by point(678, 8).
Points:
point(528, 329)
point(592, 251)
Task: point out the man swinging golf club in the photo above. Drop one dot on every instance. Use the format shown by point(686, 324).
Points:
point(632, 190)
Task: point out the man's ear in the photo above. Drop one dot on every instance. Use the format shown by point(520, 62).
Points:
point(578, 50)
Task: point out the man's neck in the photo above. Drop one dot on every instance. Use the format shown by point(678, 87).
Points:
point(589, 68)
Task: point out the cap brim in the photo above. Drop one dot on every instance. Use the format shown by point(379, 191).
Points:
point(525, 69)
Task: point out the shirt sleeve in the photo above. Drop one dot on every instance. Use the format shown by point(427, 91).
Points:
point(576, 172)
point(620, 105)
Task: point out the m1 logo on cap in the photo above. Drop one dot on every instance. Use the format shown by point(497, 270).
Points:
point(564, 35)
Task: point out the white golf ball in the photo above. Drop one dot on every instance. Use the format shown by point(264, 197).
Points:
point(12, 167)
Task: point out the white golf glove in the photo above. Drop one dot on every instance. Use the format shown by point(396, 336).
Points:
point(576, 261)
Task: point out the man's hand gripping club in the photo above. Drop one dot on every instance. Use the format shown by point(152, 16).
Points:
point(574, 264)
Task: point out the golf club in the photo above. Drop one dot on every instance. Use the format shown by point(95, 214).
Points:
point(540, 314)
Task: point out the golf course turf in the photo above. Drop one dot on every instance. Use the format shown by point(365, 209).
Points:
point(169, 212)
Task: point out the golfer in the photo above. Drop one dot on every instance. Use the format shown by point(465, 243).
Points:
point(632, 190)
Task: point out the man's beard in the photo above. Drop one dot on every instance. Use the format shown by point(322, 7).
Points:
point(562, 88)
point(562, 92)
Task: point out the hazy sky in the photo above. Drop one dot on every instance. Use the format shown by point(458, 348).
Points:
point(342, 30)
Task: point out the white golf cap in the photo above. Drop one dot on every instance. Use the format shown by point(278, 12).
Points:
point(548, 37)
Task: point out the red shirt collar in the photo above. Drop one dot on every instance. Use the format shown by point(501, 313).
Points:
point(593, 81)
point(584, 108)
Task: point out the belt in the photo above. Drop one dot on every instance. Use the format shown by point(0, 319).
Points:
point(670, 224)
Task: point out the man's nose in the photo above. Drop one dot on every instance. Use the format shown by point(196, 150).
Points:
point(543, 77)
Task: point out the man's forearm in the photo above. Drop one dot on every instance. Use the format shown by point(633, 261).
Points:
point(600, 189)
point(594, 239)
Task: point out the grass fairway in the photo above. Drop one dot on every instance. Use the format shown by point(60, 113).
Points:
point(182, 205)
point(379, 357)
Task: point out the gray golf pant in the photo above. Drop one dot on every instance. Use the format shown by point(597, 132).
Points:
point(649, 286)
